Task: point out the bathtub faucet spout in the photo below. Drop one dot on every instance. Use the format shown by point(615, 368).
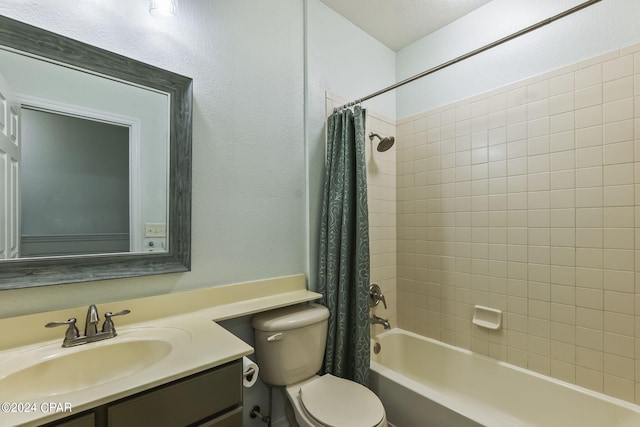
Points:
point(375, 320)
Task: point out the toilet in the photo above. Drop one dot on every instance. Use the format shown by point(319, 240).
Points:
point(290, 344)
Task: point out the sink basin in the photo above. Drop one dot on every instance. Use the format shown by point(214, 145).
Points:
point(58, 370)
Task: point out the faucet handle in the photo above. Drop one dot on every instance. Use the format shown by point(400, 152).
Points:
point(108, 325)
point(375, 296)
point(72, 330)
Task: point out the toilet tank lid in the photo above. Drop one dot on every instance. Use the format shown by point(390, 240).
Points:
point(292, 317)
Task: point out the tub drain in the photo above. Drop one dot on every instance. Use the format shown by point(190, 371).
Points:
point(376, 348)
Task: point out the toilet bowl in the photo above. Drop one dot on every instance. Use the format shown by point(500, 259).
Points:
point(328, 401)
point(290, 344)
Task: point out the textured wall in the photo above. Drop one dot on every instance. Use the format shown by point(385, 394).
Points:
point(345, 61)
point(246, 59)
point(600, 28)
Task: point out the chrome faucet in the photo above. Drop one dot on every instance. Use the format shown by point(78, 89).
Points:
point(91, 322)
point(375, 320)
point(72, 336)
point(375, 296)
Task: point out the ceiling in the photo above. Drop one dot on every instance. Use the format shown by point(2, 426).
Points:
point(398, 23)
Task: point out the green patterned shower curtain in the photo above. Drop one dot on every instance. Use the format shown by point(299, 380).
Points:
point(344, 248)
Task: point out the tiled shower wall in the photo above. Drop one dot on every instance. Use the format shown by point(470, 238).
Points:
point(381, 191)
point(526, 199)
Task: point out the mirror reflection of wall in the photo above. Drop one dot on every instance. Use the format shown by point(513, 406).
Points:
point(74, 185)
point(99, 101)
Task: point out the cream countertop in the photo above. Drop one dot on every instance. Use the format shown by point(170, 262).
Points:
point(195, 312)
point(219, 303)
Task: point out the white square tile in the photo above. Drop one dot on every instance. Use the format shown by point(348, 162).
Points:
point(589, 197)
point(589, 137)
point(562, 217)
point(479, 139)
point(562, 122)
point(618, 238)
point(588, 76)
point(538, 109)
point(539, 127)
point(619, 174)
point(588, 277)
point(517, 132)
point(516, 114)
point(619, 195)
point(589, 177)
point(562, 141)
point(517, 149)
point(517, 166)
point(561, 84)
point(589, 238)
point(617, 68)
point(588, 97)
point(621, 131)
point(592, 116)
point(618, 302)
point(562, 160)
point(588, 157)
point(562, 199)
point(516, 97)
point(538, 145)
point(562, 103)
point(618, 110)
point(497, 120)
point(589, 217)
point(562, 180)
point(538, 164)
point(618, 89)
point(538, 91)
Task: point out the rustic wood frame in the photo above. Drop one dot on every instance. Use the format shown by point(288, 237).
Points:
point(31, 272)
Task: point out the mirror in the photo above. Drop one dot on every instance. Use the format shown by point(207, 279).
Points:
point(74, 211)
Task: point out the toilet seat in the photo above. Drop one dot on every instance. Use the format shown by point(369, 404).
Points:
point(336, 402)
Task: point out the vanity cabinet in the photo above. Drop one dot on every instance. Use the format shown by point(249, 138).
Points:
point(182, 403)
point(86, 420)
point(212, 398)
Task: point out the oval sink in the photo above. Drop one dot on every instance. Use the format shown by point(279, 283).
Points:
point(60, 370)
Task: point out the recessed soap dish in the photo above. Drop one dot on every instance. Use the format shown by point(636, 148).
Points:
point(486, 317)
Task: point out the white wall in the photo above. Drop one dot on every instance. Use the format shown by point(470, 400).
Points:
point(345, 61)
point(246, 59)
point(77, 172)
point(85, 94)
point(600, 28)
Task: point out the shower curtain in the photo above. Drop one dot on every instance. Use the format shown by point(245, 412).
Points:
point(344, 248)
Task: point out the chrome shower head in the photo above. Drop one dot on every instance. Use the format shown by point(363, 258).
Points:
point(385, 143)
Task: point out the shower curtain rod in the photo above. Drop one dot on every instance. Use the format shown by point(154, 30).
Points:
point(472, 53)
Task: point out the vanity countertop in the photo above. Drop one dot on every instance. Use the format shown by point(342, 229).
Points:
point(201, 344)
point(189, 317)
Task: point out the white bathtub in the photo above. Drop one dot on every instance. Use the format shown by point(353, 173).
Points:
point(423, 382)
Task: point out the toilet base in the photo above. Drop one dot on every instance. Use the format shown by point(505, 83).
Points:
point(290, 413)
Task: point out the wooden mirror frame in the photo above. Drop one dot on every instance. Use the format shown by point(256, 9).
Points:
point(31, 272)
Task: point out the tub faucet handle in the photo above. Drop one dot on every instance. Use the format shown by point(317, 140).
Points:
point(375, 296)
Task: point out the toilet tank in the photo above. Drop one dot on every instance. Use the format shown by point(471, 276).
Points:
point(290, 342)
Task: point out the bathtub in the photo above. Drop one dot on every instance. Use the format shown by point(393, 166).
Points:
point(423, 382)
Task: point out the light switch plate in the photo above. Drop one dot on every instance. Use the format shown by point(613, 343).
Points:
point(155, 230)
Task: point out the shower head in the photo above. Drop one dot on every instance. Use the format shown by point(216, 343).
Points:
point(385, 143)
